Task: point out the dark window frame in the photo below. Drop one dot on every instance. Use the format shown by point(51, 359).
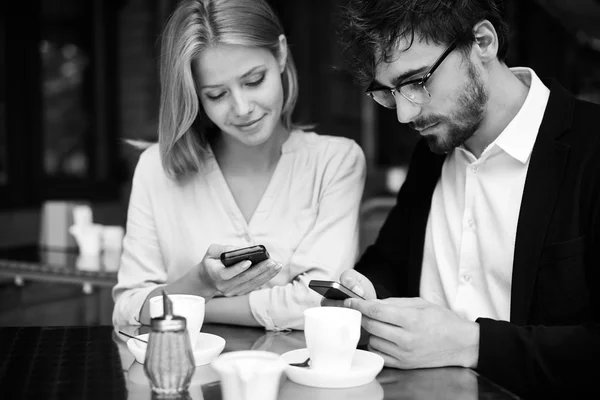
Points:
point(27, 185)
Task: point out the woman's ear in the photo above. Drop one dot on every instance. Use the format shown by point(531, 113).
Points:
point(486, 41)
point(282, 60)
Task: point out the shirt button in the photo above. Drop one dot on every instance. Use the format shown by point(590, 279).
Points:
point(471, 223)
point(474, 169)
point(467, 278)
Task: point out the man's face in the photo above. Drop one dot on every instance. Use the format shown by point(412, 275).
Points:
point(458, 94)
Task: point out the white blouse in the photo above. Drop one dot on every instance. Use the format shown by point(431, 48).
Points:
point(307, 219)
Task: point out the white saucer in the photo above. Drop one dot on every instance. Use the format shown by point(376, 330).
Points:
point(208, 347)
point(364, 369)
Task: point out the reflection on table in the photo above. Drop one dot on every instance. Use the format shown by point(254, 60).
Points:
point(94, 362)
point(66, 266)
point(446, 383)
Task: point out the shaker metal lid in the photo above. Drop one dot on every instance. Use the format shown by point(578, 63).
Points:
point(168, 322)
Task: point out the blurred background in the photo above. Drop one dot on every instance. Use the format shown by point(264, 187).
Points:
point(77, 77)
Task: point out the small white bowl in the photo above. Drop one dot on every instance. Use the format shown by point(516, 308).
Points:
point(208, 347)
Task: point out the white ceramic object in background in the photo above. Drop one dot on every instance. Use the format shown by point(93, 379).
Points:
point(86, 262)
point(83, 215)
point(394, 178)
point(185, 305)
point(249, 374)
point(56, 218)
point(332, 334)
point(111, 260)
point(88, 238)
point(112, 238)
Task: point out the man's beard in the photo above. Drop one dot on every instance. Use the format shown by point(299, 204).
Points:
point(464, 120)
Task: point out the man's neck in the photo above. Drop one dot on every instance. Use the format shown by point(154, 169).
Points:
point(506, 95)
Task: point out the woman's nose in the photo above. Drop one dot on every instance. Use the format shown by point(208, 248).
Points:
point(241, 103)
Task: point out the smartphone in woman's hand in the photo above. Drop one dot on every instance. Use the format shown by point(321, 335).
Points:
point(255, 254)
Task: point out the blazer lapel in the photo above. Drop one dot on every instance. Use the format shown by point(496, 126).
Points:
point(542, 184)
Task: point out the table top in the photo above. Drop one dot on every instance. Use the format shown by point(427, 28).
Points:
point(94, 362)
point(60, 265)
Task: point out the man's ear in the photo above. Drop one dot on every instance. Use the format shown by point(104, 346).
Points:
point(282, 59)
point(486, 41)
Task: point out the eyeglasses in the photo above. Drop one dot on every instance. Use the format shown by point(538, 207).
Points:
point(413, 90)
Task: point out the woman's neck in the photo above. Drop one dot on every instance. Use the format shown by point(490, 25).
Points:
point(238, 158)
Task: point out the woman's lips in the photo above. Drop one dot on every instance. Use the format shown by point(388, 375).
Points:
point(249, 124)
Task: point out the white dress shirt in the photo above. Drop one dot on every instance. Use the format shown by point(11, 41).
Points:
point(471, 230)
point(307, 219)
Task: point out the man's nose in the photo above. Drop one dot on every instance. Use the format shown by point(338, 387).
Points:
point(241, 103)
point(406, 110)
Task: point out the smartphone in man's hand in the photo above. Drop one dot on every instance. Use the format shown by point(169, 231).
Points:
point(255, 254)
point(332, 290)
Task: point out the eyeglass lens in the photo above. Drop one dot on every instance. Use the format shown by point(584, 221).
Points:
point(415, 93)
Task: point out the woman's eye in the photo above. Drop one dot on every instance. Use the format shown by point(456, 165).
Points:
point(256, 82)
point(215, 96)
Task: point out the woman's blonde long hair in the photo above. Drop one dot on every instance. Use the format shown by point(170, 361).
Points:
point(184, 129)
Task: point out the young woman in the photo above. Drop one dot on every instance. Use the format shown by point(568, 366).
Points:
point(231, 170)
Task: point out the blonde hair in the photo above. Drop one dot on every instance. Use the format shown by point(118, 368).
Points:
point(184, 129)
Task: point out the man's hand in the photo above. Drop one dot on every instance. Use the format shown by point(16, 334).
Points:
point(356, 282)
point(414, 333)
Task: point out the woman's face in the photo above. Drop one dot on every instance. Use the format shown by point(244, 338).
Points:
point(241, 91)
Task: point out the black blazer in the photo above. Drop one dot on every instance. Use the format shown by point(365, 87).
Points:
point(552, 342)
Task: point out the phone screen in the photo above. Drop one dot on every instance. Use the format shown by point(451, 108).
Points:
point(332, 290)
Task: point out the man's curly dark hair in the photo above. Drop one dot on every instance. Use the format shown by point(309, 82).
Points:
point(370, 29)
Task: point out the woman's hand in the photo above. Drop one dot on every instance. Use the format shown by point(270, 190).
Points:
point(236, 280)
point(210, 277)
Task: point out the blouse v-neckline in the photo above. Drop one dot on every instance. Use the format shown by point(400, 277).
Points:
point(218, 182)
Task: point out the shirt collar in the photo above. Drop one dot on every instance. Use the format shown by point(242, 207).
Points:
point(518, 138)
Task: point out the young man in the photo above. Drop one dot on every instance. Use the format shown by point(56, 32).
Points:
point(491, 257)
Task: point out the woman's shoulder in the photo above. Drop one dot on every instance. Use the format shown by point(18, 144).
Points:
point(316, 143)
point(149, 165)
point(149, 159)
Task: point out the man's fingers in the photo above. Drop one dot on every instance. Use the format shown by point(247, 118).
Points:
point(384, 330)
point(325, 302)
point(377, 310)
point(407, 302)
point(357, 282)
point(389, 361)
point(384, 345)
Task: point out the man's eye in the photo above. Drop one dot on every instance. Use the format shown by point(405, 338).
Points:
point(256, 82)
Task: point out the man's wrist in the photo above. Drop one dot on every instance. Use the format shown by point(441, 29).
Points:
point(471, 346)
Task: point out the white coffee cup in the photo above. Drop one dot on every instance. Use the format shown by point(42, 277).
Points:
point(249, 374)
point(188, 306)
point(331, 334)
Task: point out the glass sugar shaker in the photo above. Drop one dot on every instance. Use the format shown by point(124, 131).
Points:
point(169, 362)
